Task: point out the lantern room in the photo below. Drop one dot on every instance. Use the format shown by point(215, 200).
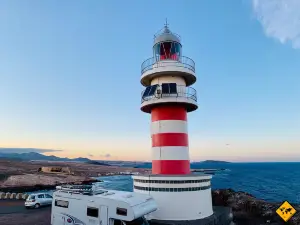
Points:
point(167, 45)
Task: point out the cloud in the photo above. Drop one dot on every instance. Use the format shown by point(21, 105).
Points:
point(106, 155)
point(26, 150)
point(280, 19)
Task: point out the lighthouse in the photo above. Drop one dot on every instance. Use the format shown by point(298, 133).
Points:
point(168, 97)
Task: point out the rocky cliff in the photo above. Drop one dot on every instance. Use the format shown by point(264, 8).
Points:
point(248, 210)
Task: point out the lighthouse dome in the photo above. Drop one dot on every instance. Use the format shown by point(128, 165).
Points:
point(166, 45)
point(166, 36)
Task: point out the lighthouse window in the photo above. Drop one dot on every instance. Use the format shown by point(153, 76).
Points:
point(173, 88)
point(170, 88)
point(167, 50)
point(172, 181)
point(172, 189)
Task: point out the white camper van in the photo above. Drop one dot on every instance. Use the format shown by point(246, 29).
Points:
point(85, 205)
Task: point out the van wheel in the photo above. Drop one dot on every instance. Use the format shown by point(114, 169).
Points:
point(36, 206)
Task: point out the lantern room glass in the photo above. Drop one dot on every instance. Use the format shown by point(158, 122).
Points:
point(167, 51)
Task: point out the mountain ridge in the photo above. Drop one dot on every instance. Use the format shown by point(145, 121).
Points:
point(34, 156)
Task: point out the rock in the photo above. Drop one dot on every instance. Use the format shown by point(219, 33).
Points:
point(33, 182)
point(19, 196)
point(25, 196)
point(7, 195)
point(2, 195)
point(248, 209)
point(34, 179)
point(13, 196)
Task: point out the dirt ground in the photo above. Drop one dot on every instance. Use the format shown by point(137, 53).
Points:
point(8, 167)
point(25, 173)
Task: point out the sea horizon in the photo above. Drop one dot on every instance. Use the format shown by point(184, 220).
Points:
point(273, 182)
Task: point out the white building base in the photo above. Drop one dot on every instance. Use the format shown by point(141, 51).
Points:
point(179, 197)
point(221, 216)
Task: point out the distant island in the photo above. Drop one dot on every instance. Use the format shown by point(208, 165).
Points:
point(34, 156)
point(212, 161)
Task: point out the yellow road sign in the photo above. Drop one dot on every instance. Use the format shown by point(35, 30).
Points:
point(286, 211)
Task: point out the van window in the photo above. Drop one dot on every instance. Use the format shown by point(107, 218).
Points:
point(92, 212)
point(121, 211)
point(61, 203)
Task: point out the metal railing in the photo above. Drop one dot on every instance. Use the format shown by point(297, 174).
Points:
point(180, 61)
point(81, 189)
point(182, 92)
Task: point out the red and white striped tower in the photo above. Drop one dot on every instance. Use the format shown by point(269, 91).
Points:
point(167, 76)
point(170, 153)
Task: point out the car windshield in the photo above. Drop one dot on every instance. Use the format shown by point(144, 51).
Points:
point(31, 197)
point(138, 221)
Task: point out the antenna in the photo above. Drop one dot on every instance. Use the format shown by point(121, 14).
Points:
point(166, 24)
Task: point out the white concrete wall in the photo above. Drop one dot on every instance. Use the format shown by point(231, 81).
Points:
point(168, 79)
point(190, 205)
point(183, 205)
point(177, 68)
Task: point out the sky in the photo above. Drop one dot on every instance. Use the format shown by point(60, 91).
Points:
point(70, 76)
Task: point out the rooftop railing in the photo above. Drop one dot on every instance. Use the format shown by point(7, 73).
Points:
point(159, 91)
point(155, 62)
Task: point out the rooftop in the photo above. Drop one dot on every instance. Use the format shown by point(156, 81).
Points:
point(130, 198)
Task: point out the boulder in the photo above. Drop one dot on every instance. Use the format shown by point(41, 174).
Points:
point(13, 196)
point(7, 195)
point(25, 196)
point(2, 195)
point(249, 210)
point(19, 196)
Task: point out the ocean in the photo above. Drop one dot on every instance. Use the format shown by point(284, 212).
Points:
point(275, 182)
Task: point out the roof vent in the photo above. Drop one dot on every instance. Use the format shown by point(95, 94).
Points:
point(128, 196)
point(109, 193)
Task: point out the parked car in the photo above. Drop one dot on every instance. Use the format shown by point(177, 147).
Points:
point(37, 200)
